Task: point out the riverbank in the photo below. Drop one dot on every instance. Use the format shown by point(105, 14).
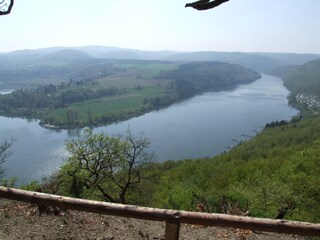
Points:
point(202, 126)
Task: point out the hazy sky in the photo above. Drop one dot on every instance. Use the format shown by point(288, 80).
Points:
point(238, 25)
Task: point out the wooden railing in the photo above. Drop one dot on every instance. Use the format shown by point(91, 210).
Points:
point(172, 218)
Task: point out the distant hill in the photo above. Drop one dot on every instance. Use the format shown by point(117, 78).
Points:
point(67, 55)
point(121, 55)
point(107, 52)
point(301, 79)
point(261, 62)
point(291, 58)
point(50, 56)
point(252, 61)
point(197, 77)
point(304, 84)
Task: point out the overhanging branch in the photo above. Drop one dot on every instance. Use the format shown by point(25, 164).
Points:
point(205, 4)
point(5, 7)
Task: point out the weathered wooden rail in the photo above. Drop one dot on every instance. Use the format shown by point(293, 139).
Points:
point(172, 218)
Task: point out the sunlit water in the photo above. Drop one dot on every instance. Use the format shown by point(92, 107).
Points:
point(202, 126)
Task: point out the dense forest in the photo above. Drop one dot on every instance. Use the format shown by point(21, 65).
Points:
point(304, 85)
point(198, 77)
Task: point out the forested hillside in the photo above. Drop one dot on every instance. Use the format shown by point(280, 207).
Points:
point(304, 85)
point(276, 174)
point(198, 77)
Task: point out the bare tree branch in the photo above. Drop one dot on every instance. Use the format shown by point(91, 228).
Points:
point(4, 154)
point(205, 4)
point(5, 7)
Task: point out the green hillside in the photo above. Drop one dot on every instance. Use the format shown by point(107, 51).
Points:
point(198, 77)
point(277, 172)
point(274, 175)
point(304, 84)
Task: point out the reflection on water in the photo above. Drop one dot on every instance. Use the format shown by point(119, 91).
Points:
point(202, 126)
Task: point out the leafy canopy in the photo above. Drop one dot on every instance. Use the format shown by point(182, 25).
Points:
point(112, 167)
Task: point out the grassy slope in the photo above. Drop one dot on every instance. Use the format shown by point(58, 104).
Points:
point(142, 74)
point(132, 100)
point(129, 102)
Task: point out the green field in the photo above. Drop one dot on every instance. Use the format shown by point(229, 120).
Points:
point(136, 75)
point(131, 101)
point(149, 71)
point(139, 84)
point(95, 92)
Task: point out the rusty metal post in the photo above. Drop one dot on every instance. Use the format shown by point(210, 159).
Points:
point(172, 231)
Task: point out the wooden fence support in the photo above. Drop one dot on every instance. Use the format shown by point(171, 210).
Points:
point(172, 231)
point(173, 217)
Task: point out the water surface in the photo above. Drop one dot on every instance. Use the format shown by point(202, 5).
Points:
point(202, 126)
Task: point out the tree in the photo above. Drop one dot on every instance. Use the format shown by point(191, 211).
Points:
point(4, 154)
point(112, 167)
point(72, 116)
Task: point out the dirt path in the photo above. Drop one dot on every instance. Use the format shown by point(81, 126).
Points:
point(23, 221)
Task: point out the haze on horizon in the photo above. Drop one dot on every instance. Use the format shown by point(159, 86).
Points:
point(238, 25)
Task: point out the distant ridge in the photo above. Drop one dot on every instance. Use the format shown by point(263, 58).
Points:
point(261, 62)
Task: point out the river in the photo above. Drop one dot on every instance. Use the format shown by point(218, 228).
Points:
point(202, 126)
